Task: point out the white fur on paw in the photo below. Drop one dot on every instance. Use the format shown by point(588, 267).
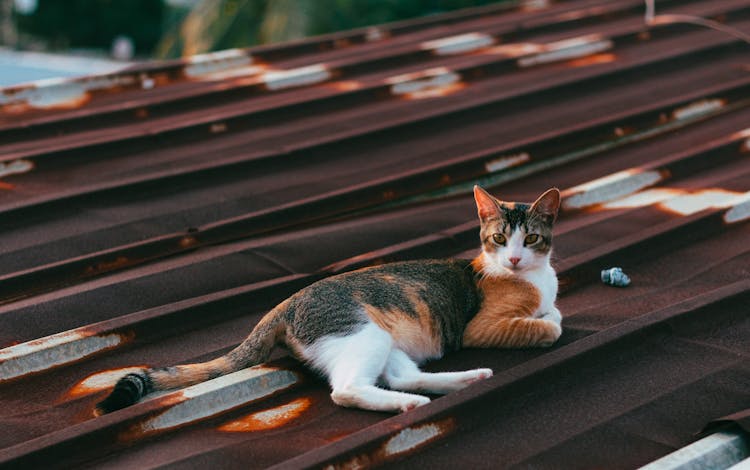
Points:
point(411, 403)
point(478, 374)
point(552, 316)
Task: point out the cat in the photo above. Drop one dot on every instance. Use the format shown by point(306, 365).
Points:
point(373, 326)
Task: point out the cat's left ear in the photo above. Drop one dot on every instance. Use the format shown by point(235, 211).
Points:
point(486, 204)
point(548, 204)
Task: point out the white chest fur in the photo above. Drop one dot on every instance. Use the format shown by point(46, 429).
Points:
point(544, 279)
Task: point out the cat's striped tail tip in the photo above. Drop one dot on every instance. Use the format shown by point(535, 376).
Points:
point(128, 390)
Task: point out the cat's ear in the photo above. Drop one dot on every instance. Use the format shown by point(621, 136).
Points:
point(548, 204)
point(486, 204)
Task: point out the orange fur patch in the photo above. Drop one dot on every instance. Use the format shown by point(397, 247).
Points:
point(504, 318)
point(417, 337)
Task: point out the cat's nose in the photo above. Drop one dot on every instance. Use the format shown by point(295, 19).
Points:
point(514, 260)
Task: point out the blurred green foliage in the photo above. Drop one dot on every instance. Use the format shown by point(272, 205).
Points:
point(166, 30)
point(95, 23)
point(222, 24)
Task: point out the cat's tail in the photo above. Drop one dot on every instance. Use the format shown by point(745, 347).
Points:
point(253, 351)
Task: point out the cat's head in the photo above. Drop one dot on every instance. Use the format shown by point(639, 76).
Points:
point(516, 237)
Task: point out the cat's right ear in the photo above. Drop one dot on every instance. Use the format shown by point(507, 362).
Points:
point(486, 204)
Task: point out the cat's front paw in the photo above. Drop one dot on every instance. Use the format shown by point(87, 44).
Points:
point(553, 333)
point(553, 315)
point(477, 374)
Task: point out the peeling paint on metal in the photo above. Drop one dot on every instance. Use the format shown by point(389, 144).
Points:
point(55, 350)
point(691, 202)
point(642, 198)
point(402, 442)
point(375, 34)
point(430, 83)
point(217, 396)
point(568, 49)
point(698, 108)
point(410, 438)
point(506, 161)
point(100, 381)
point(211, 64)
point(740, 209)
point(281, 79)
point(684, 202)
point(516, 49)
point(610, 187)
point(268, 419)
point(61, 93)
point(15, 167)
point(458, 44)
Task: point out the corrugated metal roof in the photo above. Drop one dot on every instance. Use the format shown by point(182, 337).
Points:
point(152, 216)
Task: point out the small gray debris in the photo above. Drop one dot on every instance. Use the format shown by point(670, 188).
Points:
point(615, 277)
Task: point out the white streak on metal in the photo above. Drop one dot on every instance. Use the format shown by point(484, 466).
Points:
point(15, 167)
point(44, 353)
point(280, 79)
point(212, 63)
point(410, 438)
point(698, 108)
point(423, 84)
point(744, 465)
point(515, 49)
point(567, 49)
point(691, 203)
point(147, 83)
point(532, 5)
point(609, 188)
point(458, 44)
point(375, 34)
point(52, 92)
point(719, 450)
point(506, 161)
point(218, 395)
point(642, 198)
point(740, 209)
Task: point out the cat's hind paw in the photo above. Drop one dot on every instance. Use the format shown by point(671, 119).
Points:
point(413, 402)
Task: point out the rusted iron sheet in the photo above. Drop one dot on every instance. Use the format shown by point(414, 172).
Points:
point(152, 217)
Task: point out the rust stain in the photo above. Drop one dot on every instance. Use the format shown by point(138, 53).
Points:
point(105, 266)
point(188, 241)
point(7, 186)
point(592, 60)
point(436, 92)
point(268, 419)
point(345, 85)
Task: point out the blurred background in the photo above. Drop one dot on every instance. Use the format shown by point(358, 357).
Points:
point(90, 36)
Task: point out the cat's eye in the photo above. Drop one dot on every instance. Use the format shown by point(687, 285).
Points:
point(531, 239)
point(499, 238)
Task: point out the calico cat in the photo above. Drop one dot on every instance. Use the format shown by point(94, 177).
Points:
point(375, 325)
